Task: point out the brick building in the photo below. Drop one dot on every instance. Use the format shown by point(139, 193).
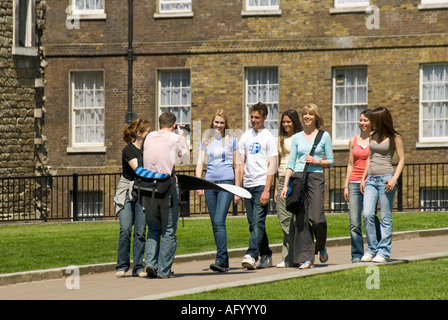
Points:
point(196, 56)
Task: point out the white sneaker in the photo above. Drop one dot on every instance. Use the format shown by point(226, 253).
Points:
point(120, 274)
point(281, 265)
point(248, 262)
point(367, 257)
point(379, 259)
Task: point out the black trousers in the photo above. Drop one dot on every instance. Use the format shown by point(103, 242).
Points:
point(310, 222)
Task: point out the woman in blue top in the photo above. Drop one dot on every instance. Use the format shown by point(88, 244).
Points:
point(310, 222)
point(218, 150)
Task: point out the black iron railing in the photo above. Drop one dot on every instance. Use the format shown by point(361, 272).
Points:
point(77, 197)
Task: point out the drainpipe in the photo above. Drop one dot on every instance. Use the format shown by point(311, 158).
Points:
point(130, 115)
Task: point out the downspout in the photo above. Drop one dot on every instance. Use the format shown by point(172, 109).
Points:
point(130, 115)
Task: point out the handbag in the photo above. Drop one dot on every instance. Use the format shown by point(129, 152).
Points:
point(297, 182)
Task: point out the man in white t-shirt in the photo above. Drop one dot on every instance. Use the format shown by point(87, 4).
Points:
point(257, 165)
point(160, 150)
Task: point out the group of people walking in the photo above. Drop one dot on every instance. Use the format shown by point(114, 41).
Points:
point(256, 162)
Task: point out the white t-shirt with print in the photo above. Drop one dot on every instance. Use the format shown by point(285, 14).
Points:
point(258, 147)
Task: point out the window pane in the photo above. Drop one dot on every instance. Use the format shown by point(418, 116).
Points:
point(262, 86)
point(434, 99)
point(175, 94)
point(88, 108)
point(175, 5)
point(350, 90)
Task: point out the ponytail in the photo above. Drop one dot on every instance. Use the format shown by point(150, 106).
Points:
point(130, 131)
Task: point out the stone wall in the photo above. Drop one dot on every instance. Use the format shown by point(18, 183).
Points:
point(22, 109)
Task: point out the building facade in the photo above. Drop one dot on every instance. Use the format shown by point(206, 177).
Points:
point(193, 57)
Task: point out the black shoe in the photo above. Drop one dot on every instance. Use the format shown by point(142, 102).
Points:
point(168, 276)
point(151, 271)
point(219, 266)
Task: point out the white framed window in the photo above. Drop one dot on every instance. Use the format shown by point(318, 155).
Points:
point(87, 9)
point(174, 8)
point(433, 111)
point(24, 34)
point(88, 6)
point(174, 95)
point(262, 4)
point(261, 85)
point(433, 4)
point(261, 7)
point(349, 100)
point(87, 111)
point(351, 3)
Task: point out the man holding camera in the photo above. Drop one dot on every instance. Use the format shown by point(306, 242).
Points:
point(160, 151)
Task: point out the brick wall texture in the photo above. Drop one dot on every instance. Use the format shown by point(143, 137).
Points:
point(305, 42)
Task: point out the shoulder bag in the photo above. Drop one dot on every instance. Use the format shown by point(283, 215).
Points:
point(297, 182)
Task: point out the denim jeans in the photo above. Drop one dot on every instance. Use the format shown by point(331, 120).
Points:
point(355, 214)
point(162, 215)
point(256, 216)
point(131, 214)
point(373, 192)
point(218, 203)
point(355, 205)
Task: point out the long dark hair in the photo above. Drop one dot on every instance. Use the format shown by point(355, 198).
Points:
point(383, 125)
point(294, 116)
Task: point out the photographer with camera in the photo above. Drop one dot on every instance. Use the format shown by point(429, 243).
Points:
point(160, 151)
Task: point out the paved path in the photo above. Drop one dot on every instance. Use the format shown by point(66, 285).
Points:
point(193, 274)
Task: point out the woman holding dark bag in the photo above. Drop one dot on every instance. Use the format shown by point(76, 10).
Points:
point(309, 217)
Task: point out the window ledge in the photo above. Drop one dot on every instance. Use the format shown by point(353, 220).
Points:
point(433, 6)
point(348, 10)
point(89, 16)
point(173, 15)
point(431, 144)
point(97, 149)
point(250, 13)
point(25, 51)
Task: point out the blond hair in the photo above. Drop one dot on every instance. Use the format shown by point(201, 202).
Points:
point(314, 110)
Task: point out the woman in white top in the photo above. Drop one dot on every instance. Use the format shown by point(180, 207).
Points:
point(290, 125)
point(218, 151)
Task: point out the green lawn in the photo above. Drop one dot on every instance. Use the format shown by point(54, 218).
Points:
point(51, 245)
point(410, 281)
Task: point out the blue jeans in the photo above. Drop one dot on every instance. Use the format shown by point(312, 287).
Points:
point(256, 216)
point(374, 192)
point(131, 214)
point(355, 214)
point(162, 216)
point(218, 203)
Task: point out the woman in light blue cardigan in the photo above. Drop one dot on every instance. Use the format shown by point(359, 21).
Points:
point(310, 222)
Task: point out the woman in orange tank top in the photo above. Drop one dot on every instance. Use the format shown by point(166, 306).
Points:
point(358, 154)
